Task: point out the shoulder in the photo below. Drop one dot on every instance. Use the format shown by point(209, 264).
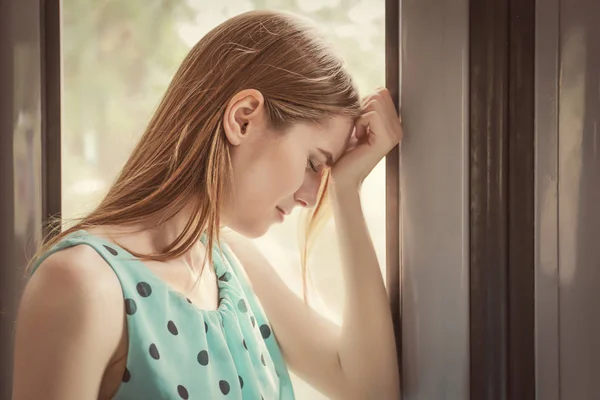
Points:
point(71, 315)
point(77, 271)
point(78, 288)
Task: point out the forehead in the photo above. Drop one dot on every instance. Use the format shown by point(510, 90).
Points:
point(331, 135)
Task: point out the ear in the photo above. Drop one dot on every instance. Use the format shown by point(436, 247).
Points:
point(243, 112)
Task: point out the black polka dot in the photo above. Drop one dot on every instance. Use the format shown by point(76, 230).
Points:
point(205, 327)
point(126, 375)
point(154, 352)
point(242, 305)
point(253, 321)
point(111, 250)
point(203, 357)
point(241, 382)
point(183, 393)
point(225, 277)
point(224, 385)
point(172, 328)
point(262, 359)
point(265, 331)
point(144, 289)
point(244, 342)
point(130, 306)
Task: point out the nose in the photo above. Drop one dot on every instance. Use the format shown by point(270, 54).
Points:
point(306, 196)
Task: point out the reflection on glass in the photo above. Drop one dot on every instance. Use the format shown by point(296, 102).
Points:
point(119, 57)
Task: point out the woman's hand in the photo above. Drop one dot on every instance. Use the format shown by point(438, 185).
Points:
point(377, 131)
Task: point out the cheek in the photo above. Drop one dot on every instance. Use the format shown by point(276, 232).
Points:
point(290, 167)
point(268, 176)
point(263, 180)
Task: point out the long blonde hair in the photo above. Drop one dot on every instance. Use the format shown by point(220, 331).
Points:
point(182, 159)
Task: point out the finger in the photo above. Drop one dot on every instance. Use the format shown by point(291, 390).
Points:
point(360, 128)
point(352, 143)
point(361, 131)
point(363, 121)
point(371, 96)
point(367, 123)
point(386, 94)
point(387, 112)
point(385, 98)
point(364, 101)
point(374, 105)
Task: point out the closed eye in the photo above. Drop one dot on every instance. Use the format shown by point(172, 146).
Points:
point(312, 165)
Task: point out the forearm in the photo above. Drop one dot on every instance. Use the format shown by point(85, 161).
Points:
point(367, 349)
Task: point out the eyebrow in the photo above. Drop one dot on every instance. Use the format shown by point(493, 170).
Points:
point(327, 155)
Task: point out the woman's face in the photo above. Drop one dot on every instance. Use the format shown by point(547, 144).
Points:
point(273, 172)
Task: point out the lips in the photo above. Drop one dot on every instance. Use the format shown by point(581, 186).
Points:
point(281, 210)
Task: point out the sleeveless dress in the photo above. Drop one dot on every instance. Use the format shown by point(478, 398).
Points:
point(178, 351)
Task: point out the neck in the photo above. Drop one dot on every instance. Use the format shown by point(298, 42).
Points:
point(154, 235)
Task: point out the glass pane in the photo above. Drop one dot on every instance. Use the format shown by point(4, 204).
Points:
point(119, 57)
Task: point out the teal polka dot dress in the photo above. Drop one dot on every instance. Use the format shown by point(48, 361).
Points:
point(178, 351)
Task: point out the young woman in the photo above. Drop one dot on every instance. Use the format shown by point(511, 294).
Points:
point(260, 118)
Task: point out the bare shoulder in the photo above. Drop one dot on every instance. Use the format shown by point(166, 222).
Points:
point(71, 313)
point(75, 273)
point(75, 286)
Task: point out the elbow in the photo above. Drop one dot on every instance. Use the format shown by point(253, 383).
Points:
point(377, 385)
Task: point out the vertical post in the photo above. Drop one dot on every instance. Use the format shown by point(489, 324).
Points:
point(29, 150)
point(7, 240)
point(521, 200)
point(51, 69)
point(392, 172)
point(434, 192)
point(502, 199)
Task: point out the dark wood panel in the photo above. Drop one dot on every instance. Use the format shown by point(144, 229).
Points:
point(521, 201)
point(392, 173)
point(488, 198)
point(502, 199)
point(7, 240)
point(51, 110)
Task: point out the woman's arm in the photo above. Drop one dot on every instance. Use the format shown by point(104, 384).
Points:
point(69, 324)
point(319, 351)
point(367, 347)
point(309, 341)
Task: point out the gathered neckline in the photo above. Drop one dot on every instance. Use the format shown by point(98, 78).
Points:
point(222, 272)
